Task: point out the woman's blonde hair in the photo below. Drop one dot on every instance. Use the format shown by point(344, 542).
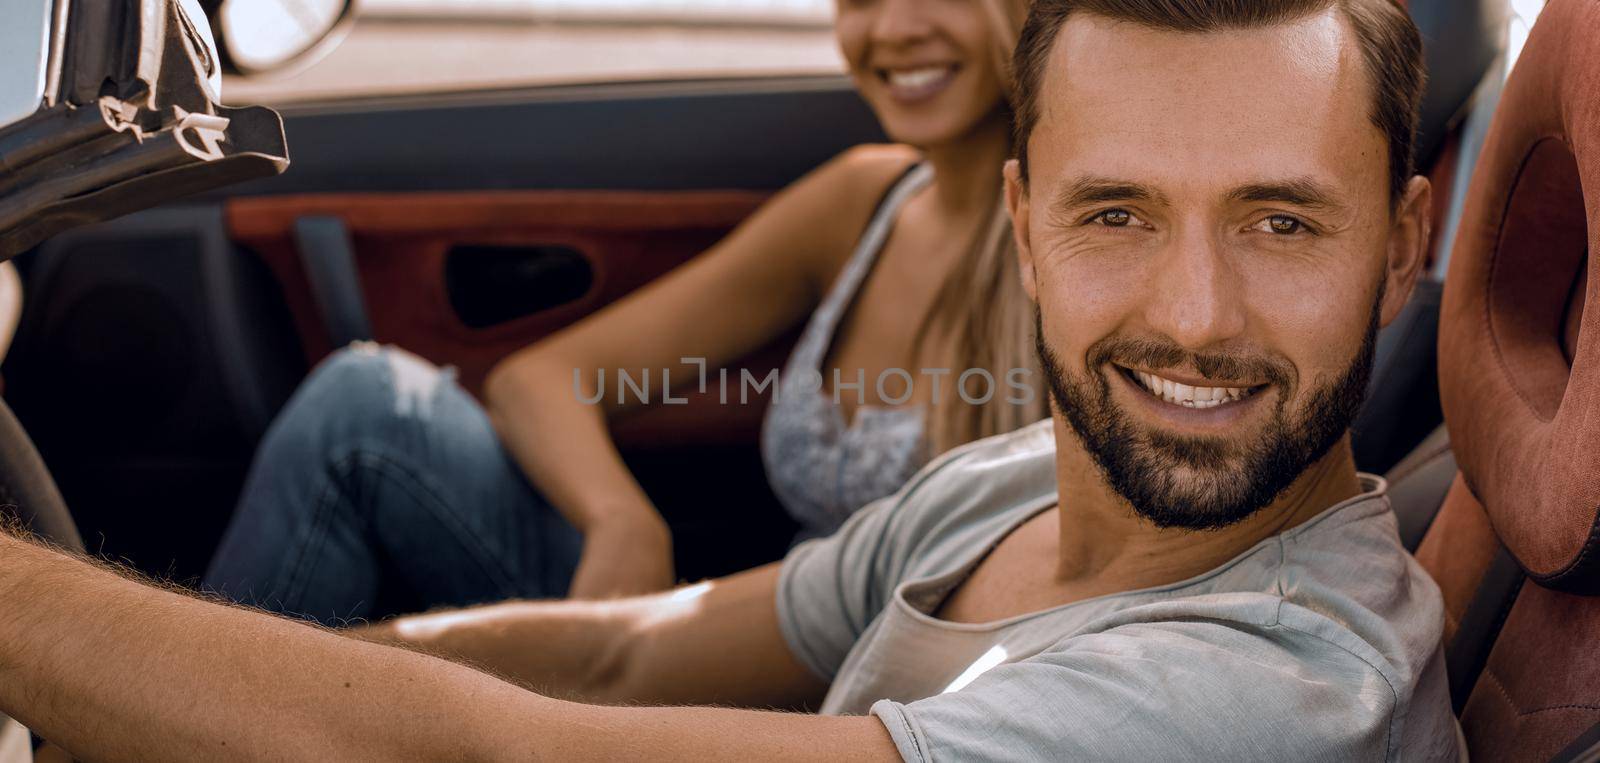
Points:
point(981, 316)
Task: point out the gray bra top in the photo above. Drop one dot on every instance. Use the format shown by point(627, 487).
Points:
point(821, 469)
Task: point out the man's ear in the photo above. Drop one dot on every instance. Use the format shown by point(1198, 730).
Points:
point(1409, 238)
point(1017, 206)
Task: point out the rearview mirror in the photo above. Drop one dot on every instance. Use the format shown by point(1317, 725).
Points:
point(259, 36)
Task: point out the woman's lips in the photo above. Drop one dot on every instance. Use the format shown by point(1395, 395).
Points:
point(919, 83)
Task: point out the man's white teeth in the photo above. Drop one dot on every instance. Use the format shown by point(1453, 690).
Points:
point(913, 79)
point(1190, 397)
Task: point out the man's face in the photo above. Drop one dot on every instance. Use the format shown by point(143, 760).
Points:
point(1208, 234)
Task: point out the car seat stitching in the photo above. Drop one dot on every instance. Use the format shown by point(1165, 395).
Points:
point(1494, 681)
point(1505, 694)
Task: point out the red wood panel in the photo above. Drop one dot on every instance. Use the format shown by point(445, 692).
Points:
point(400, 242)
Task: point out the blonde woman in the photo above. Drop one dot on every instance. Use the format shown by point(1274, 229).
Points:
point(382, 472)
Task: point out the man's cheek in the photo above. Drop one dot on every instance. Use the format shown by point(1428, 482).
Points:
point(1306, 314)
point(1103, 247)
point(1092, 295)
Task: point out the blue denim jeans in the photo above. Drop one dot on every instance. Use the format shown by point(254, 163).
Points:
point(381, 489)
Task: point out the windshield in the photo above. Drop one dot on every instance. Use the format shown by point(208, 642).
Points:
point(411, 46)
point(24, 57)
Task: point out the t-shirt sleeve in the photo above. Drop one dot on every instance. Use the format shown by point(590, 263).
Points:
point(1184, 690)
point(829, 589)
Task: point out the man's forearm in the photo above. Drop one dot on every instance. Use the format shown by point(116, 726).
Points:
point(114, 670)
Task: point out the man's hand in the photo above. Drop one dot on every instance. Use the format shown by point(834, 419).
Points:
point(624, 556)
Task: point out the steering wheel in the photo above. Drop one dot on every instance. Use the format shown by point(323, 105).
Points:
point(27, 492)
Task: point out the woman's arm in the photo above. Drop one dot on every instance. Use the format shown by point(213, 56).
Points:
point(759, 282)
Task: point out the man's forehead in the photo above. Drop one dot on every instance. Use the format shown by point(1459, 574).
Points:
point(1207, 111)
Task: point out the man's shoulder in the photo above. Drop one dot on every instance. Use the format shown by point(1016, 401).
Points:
point(1349, 581)
point(1018, 465)
point(1017, 449)
point(973, 488)
point(1354, 550)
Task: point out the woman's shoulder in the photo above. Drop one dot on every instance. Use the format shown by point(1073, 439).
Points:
point(878, 157)
point(861, 175)
point(846, 190)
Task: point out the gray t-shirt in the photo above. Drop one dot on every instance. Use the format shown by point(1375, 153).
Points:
point(1321, 643)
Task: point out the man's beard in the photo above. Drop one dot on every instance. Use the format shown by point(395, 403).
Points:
point(1203, 483)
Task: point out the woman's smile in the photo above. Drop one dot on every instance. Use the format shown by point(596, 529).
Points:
point(915, 84)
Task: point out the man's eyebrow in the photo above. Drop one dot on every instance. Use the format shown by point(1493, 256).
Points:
point(1099, 190)
point(1301, 192)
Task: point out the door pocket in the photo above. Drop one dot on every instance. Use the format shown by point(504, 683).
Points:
point(490, 285)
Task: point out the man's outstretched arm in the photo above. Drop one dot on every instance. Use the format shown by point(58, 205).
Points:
point(112, 669)
point(714, 643)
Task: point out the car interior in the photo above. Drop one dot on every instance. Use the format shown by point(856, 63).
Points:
point(153, 350)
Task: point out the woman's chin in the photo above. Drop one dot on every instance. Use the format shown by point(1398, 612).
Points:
point(928, 128)
point(923, 133)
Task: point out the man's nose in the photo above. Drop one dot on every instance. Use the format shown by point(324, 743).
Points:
point(1196, 297)
point(901, 21)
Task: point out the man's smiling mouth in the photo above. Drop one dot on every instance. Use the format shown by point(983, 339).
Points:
point(1189, 395)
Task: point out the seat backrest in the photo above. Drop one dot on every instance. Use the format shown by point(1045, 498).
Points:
point(1462, 42)
point(1418, 485)
point(1520, 386)
point(1402, 402)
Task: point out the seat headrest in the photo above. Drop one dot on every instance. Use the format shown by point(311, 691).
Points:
point(1519, 357)
point(1461, 39)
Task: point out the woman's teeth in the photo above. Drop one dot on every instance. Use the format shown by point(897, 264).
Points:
point(923, 81)
point(1190, 397)
point(917, 77)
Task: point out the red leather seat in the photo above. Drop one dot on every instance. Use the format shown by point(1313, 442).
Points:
point(1516, 546)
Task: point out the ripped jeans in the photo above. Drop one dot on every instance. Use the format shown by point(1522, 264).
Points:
point(382, 489)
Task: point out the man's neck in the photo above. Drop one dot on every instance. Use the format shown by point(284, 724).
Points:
point(1104, 544)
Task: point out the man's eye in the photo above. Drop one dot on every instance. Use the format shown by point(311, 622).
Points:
point(1282, 225)
point(1113, 218)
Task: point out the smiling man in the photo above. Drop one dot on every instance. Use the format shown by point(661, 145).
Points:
point(1214, 212)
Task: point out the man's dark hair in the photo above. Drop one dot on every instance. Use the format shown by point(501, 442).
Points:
point(1391, 49)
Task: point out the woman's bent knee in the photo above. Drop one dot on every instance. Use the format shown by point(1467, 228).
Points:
point(360, 394)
